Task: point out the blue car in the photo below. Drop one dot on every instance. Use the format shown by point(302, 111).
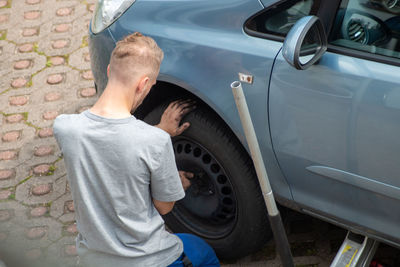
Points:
point(322, 81)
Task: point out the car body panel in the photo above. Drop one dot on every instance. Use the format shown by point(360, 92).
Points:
point(335, 133)
point(326, 162)
point(100, 46)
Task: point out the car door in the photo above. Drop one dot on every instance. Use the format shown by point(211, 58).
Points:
point(335, 126)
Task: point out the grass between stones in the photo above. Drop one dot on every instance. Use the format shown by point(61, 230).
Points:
point(8, 4)
point(24, 180)
point(25, 119)
point(53, 167)
point(3, 34)
point(5, 91)
point(85, 41)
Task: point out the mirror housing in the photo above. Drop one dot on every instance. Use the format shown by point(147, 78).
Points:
point(296, 44)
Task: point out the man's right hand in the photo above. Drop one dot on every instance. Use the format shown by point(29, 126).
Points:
point(185, 179)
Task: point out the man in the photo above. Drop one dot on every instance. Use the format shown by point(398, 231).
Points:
point(122, 171)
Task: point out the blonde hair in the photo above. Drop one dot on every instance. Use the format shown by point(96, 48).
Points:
point(134, 55)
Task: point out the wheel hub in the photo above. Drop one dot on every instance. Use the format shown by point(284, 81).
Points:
point(209, 207)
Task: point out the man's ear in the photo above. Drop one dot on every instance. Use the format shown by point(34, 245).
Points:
point(108, 71)
point(142, 84)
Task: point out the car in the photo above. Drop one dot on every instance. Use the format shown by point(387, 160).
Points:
point(322, 82)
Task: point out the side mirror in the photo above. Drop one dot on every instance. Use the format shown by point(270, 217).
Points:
point(305, 43)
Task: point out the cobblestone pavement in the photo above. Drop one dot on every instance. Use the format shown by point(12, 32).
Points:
point(45, 71)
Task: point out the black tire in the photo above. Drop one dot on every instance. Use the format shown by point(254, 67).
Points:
point(238, 224)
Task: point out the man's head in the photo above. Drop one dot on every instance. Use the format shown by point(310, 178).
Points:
point(135, 61)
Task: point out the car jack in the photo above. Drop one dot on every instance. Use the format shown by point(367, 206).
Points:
point(356, 251)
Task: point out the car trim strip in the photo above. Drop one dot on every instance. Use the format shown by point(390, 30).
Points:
point(357, 180)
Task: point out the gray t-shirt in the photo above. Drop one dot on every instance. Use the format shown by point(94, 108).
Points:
point(115, 167)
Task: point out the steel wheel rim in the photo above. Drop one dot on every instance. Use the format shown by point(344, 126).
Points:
point(209, 208)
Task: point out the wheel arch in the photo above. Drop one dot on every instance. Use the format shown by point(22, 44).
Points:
point(166, 90)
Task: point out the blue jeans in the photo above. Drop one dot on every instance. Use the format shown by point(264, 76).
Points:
point(198, 251)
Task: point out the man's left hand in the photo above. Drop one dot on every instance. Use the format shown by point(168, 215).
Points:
point(173, 115)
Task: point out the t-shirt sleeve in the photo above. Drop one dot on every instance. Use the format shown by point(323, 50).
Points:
point(58, 129)
point(165, 182)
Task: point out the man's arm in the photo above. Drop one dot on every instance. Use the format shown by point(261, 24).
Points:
point(170, 121)
point(163, 207)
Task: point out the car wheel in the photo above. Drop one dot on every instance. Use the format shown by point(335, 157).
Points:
point(224, 204)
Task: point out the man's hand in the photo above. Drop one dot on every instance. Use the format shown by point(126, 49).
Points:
point(185, 176)
point(173, 115)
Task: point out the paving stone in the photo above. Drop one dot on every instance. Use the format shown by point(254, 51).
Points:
point(3, 236)
point(18, 100)
point(3, 18)
point(40, 190)
point(87, 75)
point(55, 78)
point(24, 192)
point(55, 61)
point(60, 211)
point(72, 229)
point(52, 96)
point(87, 57)
point(11, 136)
point(14, 118)
point(33, 254)
point(41, 169)
point(44, 150)
point(58, 44)
point(50, 115)
point(92, 7)
point(7, 174)
point(88, 92)
point(82, 109)
point(32, 15)
point(22, 64)
point(70, 250)
point(65, 11)
point(45, 132)
point(30, 32)
point(70, 206)
point(8, 154)
point(62, 27)
point(5, 215)
point(18, 82)
point(36, 232)
point(77, 60)
point(32, 2)
point(4, 194)
point(38, 211)
point(58, 252)
point(25, 48)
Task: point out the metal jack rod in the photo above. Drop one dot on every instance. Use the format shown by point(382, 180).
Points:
point(282, 244)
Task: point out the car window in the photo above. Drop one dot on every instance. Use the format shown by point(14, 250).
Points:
point(279, 19)
point(368, 25)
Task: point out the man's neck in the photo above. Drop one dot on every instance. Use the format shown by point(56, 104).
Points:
point(115, 103)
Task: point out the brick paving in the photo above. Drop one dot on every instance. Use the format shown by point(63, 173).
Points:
point(45, 70)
